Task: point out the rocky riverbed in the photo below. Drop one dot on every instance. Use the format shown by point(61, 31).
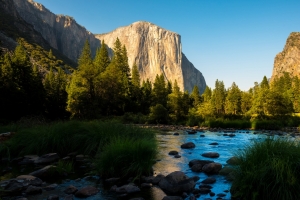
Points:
point(193, 163)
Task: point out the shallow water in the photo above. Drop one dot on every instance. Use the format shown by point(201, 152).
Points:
point(227, 147)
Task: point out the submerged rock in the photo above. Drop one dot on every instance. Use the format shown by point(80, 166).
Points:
point(211, 155)
point(212, 168)
point(86, 191)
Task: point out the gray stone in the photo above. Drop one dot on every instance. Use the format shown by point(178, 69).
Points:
point(209, 180)
point(188, 145)
point(47, 158)
point(70, 189)
point(211, 155)
point(173, 153)
point(172, 198)
point(33, 190)
point(212, 168)
point(196, 168)
point(201, 162)
point(128, 189)
point(44, 172)
point(177, 183)
point(53, 197)
point(86, 191)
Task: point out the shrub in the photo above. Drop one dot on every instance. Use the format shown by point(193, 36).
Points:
point(268, 169)
point(266, 124)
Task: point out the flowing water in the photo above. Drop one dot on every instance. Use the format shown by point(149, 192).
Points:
point(227, 147)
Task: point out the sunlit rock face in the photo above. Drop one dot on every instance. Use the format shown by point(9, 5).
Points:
point(62, 32)
point(156, 51)
point(289, 59)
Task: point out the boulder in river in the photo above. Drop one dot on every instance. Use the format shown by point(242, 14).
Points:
point(177, 183)
point(188, 145)
point(211, 155)
point(86, 191)
point(212, 168)
point(47, 158)
point(202, 162)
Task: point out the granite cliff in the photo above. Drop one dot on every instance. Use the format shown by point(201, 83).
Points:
point(62, 32)
point(153, 48)
point(155, 51)
point(289, 59)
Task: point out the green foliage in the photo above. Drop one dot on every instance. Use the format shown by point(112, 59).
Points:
point(218, 97)
point(158, 114)
point(221, 123)
point(268, 169)
point(130, 158)
point(159, 91)
point(67, 137)
point(102, 59)
point(266, 124)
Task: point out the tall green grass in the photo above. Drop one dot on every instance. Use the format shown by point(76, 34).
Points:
point(115, 147)
point(127, 157)
point(268, 169)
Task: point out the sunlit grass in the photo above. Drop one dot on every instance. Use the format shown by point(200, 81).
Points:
point(268, 170)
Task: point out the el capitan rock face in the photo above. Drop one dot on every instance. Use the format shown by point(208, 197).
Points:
point(289, 59)
point(156, 51)
point(62, 32)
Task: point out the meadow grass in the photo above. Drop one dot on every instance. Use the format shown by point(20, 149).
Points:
point(268, 169)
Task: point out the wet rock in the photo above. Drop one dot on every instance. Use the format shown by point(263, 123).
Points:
point(146, 185)
point(112, 181)
point(209, 180)
point(172, 198)
point(44, 172)
point(173, 153)
point(70, 189)
point(202, 162)
point(69, 197)
point(191, 131)
point(205, 186)
point(113, 188)
point(196, 191)
point(202, 135)
point(212, 194)
point(177, 156)
point(28, 159)
point(212, 168)
point(192, 197)
point(196, 178)
point(138, 198)
point(148, 179)
point(204, 190)
point(53, 197)
point(188, 145)
point(214, 143)
point(176, 134)
point(232, 161)
point(33, 190)
point(211, 155)
point(231, 135)
point(50, 187)
point(177, 183)
point(32, 180)
point(86, 191)
point(128, 189)
point(196, 168)
point(47, 158)
point(157, 179)
point(221, 195)
point(226, 171)
point(14, 186)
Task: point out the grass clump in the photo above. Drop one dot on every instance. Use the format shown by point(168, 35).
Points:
point(268, 169)
point(124, 158)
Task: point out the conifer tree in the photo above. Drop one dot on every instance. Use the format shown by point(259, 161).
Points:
point(159, 91)
point(102, 59)
point(195, 97)
point(233, 100)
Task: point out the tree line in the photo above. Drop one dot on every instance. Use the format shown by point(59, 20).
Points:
point(105, 86)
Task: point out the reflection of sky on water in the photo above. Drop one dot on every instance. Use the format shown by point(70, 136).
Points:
point(227, 147)
point(166, 164)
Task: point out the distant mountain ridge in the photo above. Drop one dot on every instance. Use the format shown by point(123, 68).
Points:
point(153, 48)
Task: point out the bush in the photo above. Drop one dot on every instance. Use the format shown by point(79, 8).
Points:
point(266, 124)
point(158, 114)
point(268, 169)
point(220, 123)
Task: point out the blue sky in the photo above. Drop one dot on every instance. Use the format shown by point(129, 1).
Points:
point(230, 40)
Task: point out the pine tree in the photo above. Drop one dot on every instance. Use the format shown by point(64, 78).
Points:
point(102, 59)
point(218, 97)
point(159, 91)
point(82, 98)
point(195, 97)
point(233, 100)
point(135, 76)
